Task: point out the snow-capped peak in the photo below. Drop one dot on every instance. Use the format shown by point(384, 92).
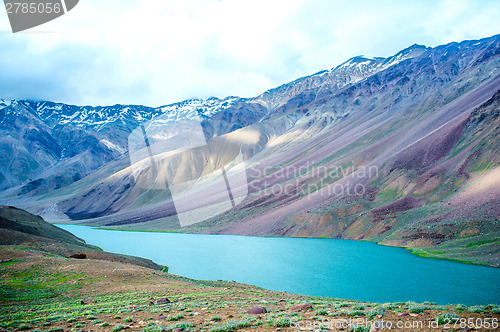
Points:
point(54, 114)
point(194, 108)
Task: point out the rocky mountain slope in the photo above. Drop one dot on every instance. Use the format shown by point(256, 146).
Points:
point(400, 150)
point(49, 145)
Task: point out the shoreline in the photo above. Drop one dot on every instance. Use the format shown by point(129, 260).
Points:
point(347, 248)
point(57, 283)
point(112, 296)
point(412, 250)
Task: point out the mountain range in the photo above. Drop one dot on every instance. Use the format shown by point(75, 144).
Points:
point(402, 150)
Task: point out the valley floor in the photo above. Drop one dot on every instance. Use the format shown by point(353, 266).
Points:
point(40, 291)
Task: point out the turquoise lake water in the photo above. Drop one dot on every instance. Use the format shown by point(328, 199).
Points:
point(322, 267)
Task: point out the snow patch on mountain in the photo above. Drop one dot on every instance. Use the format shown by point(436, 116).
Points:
point(196, 108)
point(113, 146)
point(4, 103)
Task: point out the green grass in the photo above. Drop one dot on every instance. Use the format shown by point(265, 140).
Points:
point(30, 284)
point(117, 328)
point(175, 318)
point(388, 195)
point(480, 243)
point(377, 311)
point(476, 309)
point(231, 326)
point(154, 328)
point(417, 309)
point(321, 312)
point(355, 313)
point(476, 249)
point(281, 322)
point(183, 326)
point(448, 318)
point(12, 262)
point(481, 166)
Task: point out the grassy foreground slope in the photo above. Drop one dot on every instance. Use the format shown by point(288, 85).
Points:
point(41, 290)
point(20, 230)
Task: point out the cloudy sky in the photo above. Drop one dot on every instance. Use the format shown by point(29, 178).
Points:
point(157, 52)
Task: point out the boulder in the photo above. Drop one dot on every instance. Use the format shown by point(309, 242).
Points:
point(88, 300)
point(79, 256)
point(256, 310)
point(301, 307)
point(163, 300)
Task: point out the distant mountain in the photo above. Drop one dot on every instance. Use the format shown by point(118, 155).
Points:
point(49, 145)
point(68, 142)
point(401, 150)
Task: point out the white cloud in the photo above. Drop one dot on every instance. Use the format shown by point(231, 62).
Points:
point(157, 52)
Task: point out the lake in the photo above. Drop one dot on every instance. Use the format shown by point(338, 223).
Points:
point(323, 267)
